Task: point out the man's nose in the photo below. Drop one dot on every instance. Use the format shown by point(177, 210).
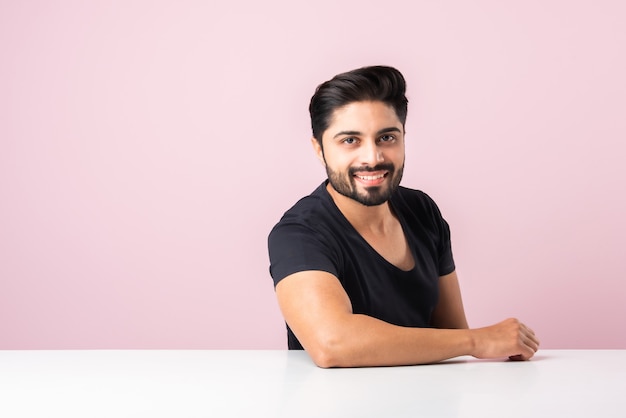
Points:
point(371, 154)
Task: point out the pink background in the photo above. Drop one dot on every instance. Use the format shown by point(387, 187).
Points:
point(148, 147)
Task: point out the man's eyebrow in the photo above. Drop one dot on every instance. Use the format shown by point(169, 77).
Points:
point(346, 133)
point(390, 129)
point(382, 131)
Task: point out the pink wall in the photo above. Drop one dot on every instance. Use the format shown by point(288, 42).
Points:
point(147, 148)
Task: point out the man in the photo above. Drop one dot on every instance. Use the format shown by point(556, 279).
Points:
point(363, 267)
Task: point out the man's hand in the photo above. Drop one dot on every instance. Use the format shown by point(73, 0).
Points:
point(509, 338)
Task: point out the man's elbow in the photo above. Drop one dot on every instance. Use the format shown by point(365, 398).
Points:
point(323, 359)
point(329, 352)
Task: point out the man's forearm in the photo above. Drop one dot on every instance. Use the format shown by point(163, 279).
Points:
point(366, 341)
point(362, 340)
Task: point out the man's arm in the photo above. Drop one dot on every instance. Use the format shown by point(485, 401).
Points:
point(449, 312)
point(319, 312)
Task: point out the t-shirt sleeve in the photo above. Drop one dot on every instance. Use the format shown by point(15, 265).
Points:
point(446, 260)
point(444, 246)
point(295, 247)
point(425, 208)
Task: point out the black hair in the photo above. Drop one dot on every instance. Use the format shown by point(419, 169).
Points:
point(375, 83)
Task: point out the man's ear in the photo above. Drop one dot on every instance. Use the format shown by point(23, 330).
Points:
point(319, 152)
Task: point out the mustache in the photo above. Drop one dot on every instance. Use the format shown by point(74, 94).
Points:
point(379, 167)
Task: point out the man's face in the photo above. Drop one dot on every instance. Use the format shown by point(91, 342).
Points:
point(364, 151)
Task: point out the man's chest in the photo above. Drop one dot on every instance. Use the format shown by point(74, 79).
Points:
point(392, 246)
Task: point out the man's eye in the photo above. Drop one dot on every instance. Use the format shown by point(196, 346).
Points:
point(387, 138)
point(349, 141)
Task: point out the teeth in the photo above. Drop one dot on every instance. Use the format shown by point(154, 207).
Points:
point(380, 176)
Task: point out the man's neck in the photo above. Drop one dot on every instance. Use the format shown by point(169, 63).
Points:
point(365, 219)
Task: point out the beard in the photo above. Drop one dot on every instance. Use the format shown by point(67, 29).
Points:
point(345, 184)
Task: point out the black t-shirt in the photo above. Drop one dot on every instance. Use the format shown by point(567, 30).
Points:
point(314, 235)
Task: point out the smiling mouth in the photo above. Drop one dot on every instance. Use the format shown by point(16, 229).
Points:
point(371, 178)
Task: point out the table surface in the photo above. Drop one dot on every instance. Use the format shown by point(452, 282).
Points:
point(214, 383)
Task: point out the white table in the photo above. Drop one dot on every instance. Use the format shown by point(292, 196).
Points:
point(188, 383)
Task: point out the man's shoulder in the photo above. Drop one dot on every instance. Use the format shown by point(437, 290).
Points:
point(311, 205)
point(310, 211)
point(412, 197)
point(416, 204)
point(407, 191)
point(304, 238)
